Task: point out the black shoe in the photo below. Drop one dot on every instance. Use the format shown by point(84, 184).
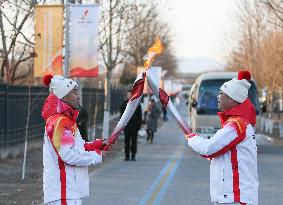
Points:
point(133, 159)
point(126, 159)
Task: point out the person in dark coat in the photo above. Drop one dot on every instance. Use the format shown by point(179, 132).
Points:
point(154, 112)
point(82, 123)
point(131, 129)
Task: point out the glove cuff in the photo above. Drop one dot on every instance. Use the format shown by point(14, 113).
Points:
point(191, 135)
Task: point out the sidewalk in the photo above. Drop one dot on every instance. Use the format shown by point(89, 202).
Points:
point(29, 191)
point(272, 137)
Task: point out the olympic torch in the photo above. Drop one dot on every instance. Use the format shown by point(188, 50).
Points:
point(158, 92)
point(132, 105)
point(137, 92)
point(166, 102)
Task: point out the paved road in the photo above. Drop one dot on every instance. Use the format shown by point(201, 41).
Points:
point(168, 172)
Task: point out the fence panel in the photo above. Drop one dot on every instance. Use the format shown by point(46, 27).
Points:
point(14, 110)
point(3, 116)
point(117, 96)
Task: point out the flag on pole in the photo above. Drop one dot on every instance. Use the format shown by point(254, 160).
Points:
point(84, 40)
point(48, 40)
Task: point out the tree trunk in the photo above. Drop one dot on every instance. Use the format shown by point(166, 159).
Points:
point(107, 98)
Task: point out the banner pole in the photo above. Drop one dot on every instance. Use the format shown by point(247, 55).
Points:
point(67, 30)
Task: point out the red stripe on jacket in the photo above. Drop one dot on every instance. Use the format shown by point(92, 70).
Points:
point(240, 125)
point(63, 181)
point(236, 178)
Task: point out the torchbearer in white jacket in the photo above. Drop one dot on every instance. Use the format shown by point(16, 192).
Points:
point(232, 150)
point(66, 156)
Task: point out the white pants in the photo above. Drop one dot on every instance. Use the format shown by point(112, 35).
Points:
point(69, 202)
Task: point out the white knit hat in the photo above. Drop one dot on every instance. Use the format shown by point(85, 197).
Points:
point(237, 88)
point(58, 85)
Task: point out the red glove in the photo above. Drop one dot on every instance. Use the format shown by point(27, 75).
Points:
point(105, 146)
point(96, 144)
point(191, 135)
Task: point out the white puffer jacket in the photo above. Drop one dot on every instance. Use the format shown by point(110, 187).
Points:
point(233, 169)
point(66, 156)
point(233, 154)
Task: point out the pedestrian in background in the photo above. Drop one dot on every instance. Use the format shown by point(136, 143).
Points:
point(269, 119)
point(154, 112)
point(165, 117)
point(232, 150)
point(82, 120)
point(66, 156)
point(131, 129)
point(278, 111)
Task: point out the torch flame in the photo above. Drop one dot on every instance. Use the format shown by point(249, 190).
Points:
point(157, 47)
point(154, 50)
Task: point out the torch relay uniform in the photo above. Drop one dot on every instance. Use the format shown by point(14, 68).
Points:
point(66, 156)
point(233, 154)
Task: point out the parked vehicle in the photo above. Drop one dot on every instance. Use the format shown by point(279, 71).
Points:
point(203, 105)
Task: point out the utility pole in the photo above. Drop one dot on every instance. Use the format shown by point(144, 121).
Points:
point(67, 30)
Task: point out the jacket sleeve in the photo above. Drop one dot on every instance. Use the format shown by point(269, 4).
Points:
point(224, 140)
point(63, 141)
point(79, 157)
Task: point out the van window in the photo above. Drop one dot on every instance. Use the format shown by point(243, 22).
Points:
point(207, 97)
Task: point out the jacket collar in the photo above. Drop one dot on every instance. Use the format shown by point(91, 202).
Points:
point(53, 105)
point(245, 110)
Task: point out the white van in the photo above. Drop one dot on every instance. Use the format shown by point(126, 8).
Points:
point(203, 105)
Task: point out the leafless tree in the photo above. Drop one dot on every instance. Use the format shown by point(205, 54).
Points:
point(149, 25)
point(275, 8)
point(116, 20)
point(17, 43)
point(259, 44)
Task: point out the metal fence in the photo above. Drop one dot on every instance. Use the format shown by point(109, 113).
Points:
point(14, 110)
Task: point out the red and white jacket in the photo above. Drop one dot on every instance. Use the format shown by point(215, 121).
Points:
point(233, 154)
point(66, 156)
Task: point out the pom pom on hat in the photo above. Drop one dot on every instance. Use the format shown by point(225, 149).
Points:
point(47, 79)
point(237, 88)
point(244, 75)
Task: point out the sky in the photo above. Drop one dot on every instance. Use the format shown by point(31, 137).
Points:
point(200, 31)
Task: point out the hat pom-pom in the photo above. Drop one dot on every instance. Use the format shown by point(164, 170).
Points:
point(47, 79)
point(244, 75)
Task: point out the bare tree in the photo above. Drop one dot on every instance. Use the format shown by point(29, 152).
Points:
point(249, 33)
point(115, 21)
point(259, 44)
point(16, 29)
point(275, 8)
point(149, 25)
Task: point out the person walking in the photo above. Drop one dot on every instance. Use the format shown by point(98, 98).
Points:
point(66, 156)
point(164, 111)
point(154, 112)
point(232, 150)
point(131, 129)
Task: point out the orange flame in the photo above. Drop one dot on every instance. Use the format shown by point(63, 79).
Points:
point(156, 49)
